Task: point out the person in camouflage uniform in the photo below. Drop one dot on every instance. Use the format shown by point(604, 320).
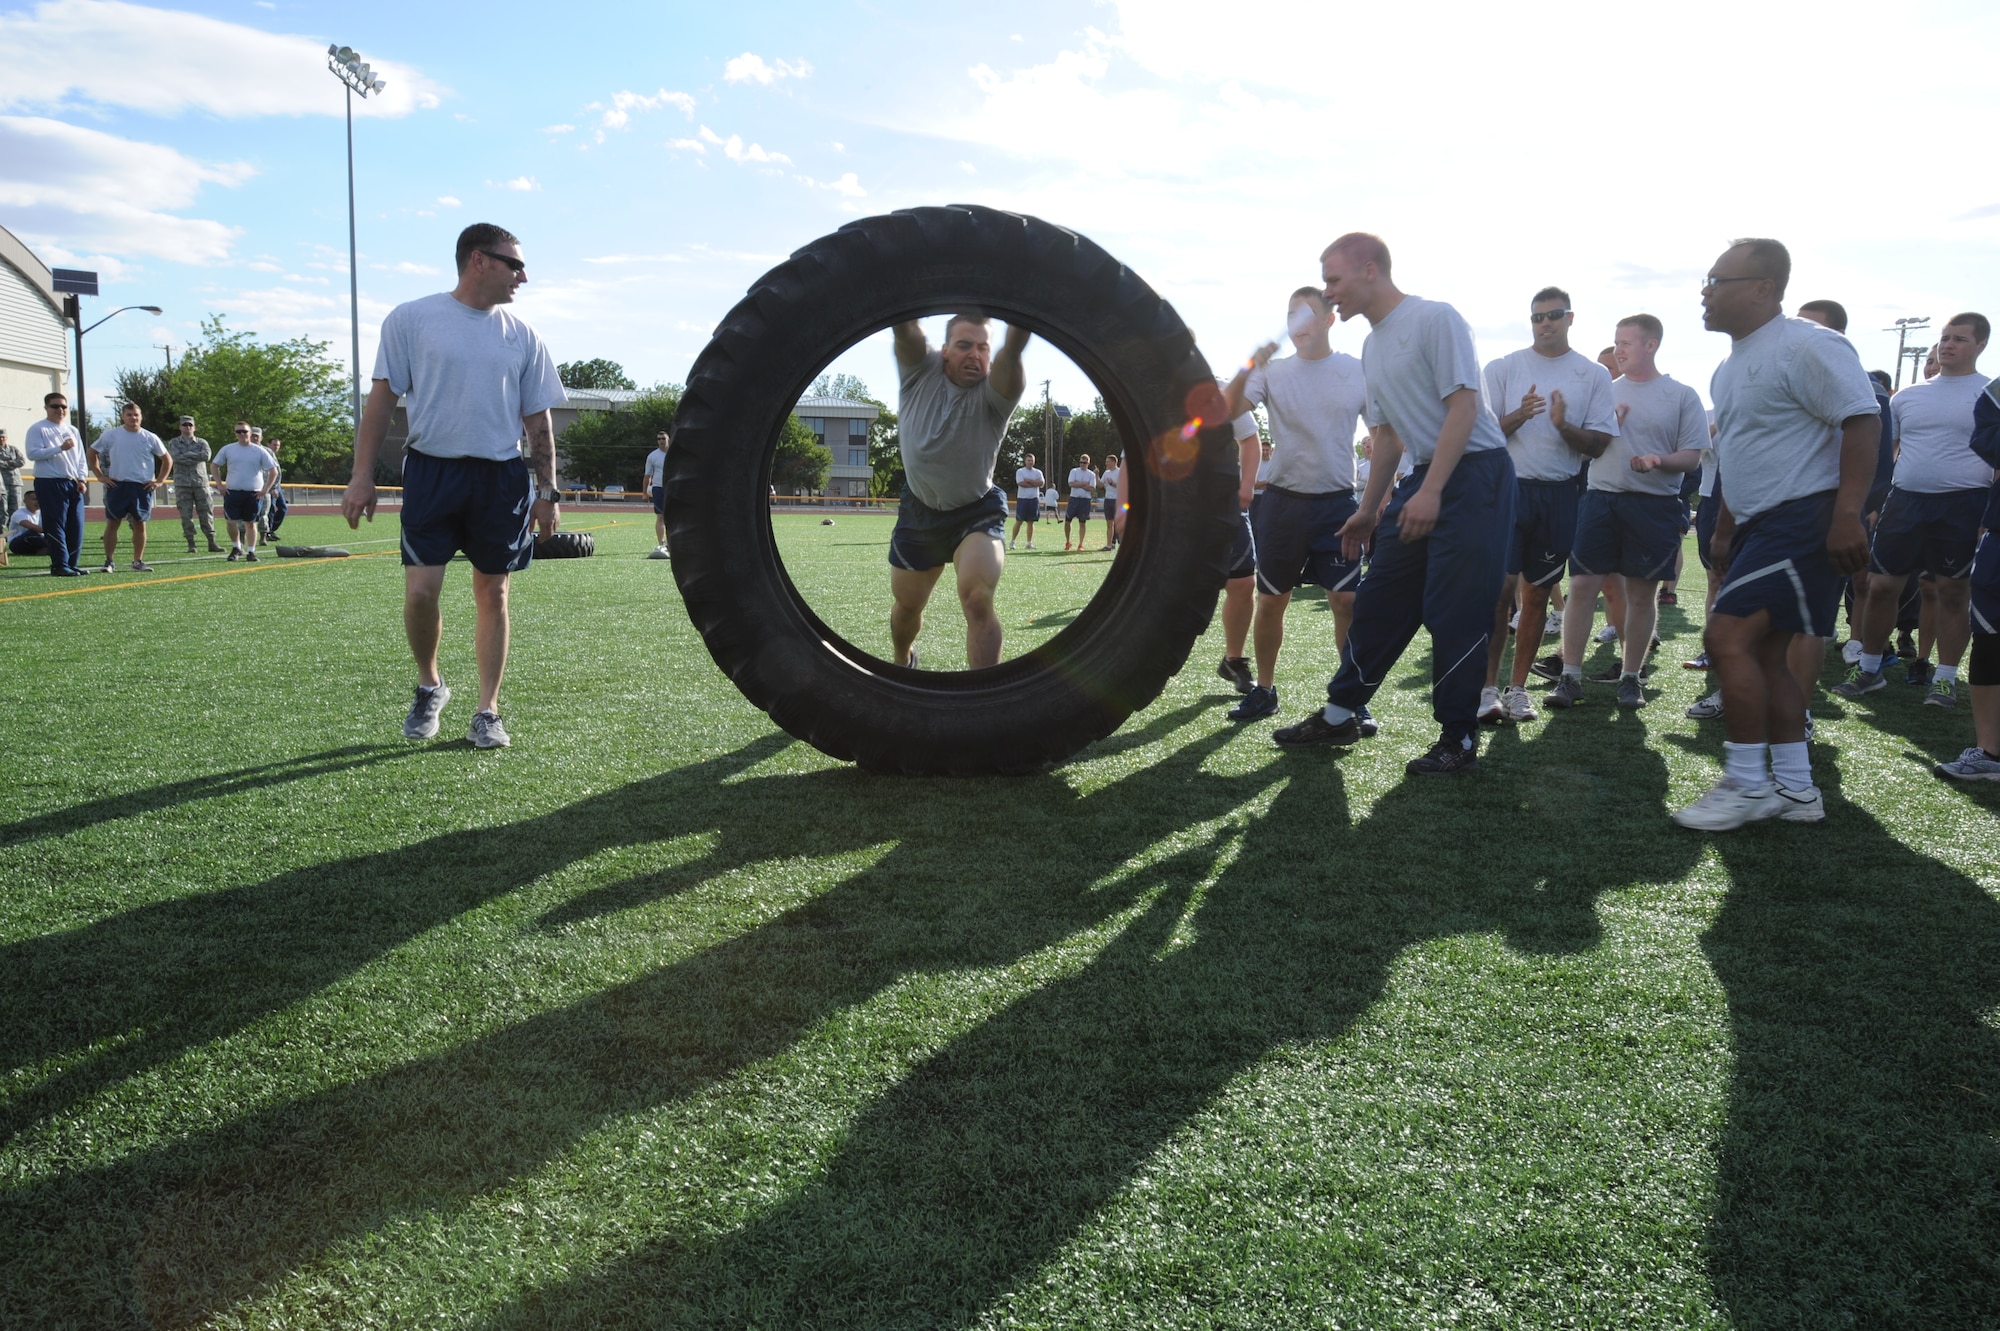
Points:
point(191, 455)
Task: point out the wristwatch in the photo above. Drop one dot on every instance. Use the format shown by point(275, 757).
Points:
point(551, 495)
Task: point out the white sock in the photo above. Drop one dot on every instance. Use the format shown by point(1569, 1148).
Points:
point(1791, 767)
point(1871, 662)
point(1335, 714)
point(1573, 671)
point(1744, 764)
point(1947, 674)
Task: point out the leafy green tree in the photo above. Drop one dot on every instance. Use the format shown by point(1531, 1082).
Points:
point(802, 463)
point(293, 389)
point(841, 385)
point(885, 455)
point(158, 398)
point(609, 447)
point(599, 373)
point(1092, 432)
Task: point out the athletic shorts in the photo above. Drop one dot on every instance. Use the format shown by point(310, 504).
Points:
point(1110, 509)
point(1544, 530)
point(128, 499)
point(1297, 538)
point(1778, 563)
point(240, 505)
point(1704, 529)
point(1028, 510)
point(1930, 533)
point(1080, 506)
point(926, 538)
point(1635, 535)
point(1243, 550)
point(660, 500)
point(477, 505)
point(1986, 585)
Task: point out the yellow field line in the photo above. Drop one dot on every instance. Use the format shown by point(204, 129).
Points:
point(259, 567)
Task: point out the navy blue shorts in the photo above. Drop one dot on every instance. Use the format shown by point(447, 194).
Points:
point(1080, 506)
point(660, 500)
point(1778, 562)
point(1297, 538)
point(1243, 550)
point(1928, 533)
point(1110, 509)
point(128, 499)
point(1544, 530)
point(478, 505)
point(1027, 509)
point(1986, 585)
point(1704, 529)
point(1634, 535)
point(240, 505)
point(925, 538)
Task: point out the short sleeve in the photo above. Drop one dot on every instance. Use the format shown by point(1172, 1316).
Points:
point(1828, 380)
point(1372, 414)
point(1454, 363)
point(1246, 426)
point(159, 448)
point(1896, 413)
point(541, 385)
point(1495, 387)
point(1256, 385)
point(392, 354)
point(1693, 432)
point(1600, 413)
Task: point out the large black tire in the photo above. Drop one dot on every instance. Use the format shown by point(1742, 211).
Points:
point(566, 545)
point(1156, 599)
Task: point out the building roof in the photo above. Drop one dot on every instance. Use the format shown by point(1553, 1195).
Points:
point(825, 405)
point(609, 397)
point(32, 268)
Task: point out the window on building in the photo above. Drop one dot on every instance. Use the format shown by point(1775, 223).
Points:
point(857, 457)
point(857, 429)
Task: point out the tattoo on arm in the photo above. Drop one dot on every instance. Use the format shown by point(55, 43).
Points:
point(542, 449)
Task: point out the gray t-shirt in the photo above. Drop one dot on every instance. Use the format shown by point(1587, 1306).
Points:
point(468, 376)
point(1540, 453)
point(1416, 358)
point(950, 435)
point(190, 454)
point(1661, 416)
point(246, 466)
point(128, 454)
point(1780, 397)
point(1312, 405)
point(1934, 433)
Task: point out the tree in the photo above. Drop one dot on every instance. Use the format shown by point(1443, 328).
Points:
point(1093, 432)
point(885, 454)
point(599, 373)
point(841, 385)
point(292, 389)
point(803, 463)
point(158, 398)
point(609, 447)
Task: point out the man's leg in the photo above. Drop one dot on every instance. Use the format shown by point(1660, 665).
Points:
point(1342, 606)
point(56, 529)
point(138, 538)
point(1535, 613)
point(1878, 615)
point(1949, 605)
point(979, 559)
point(1238, 598)
point(1270, 635)
point(1805, 658)
point(1388, 611)
point(911, 590)
point(1615, 597)
point(1579, 612)
point(1642, 617)
point(204, 509)
point(111, 541)
point(184, 501)
point(489, 596)
point(422, 617)
point(1462, 573)
point(1496, 643)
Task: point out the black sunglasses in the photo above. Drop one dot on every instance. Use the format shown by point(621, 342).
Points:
point(1546, 316)
point(513, 263)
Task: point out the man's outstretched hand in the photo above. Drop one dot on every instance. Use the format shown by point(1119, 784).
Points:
point(358, 502)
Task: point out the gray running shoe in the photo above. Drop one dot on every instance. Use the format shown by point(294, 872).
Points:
point(1708, 709)
point(422, 722)
point(1859, 682)
point(1944, 693)
point(1568, 692)
point(1517, 706)
point(1631, 693)
point(1972, 765)
point(1801, 806)
point(487, 732)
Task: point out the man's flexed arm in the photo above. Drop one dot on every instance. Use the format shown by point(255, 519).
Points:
point(911, 347)
point(1008, 378)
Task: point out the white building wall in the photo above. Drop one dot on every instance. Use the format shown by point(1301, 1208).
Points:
point(33, 353)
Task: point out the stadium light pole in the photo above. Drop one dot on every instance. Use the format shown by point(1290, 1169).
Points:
point(346, 64)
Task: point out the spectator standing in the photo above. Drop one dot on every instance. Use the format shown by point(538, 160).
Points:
point(191, 456)
point(12, 459)
point(272, 509)
point(656, 490)
point(61, 477)
point(248, 474)
point(132, 462)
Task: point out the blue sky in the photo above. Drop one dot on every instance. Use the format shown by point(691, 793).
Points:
point(654, 160)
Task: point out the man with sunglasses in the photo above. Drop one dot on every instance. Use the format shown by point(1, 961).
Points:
point(62, 476)
point(1556, 410)
point(1796, 433)
point(475, 379)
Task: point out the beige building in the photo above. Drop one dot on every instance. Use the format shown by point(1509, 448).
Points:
point(841, 424)
point(34, 346)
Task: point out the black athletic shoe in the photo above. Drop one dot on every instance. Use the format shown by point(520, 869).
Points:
point(1550, 667)
point(1316, 729)
point(1906, 646)
point(1919, 673)
point(1366, 722)
point(1236, 670)
point(1614, 672)
point(1445, 758)
point(1258, 703)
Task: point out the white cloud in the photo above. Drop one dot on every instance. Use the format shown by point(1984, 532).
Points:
point(749, 68)
point(688, 145)
point(405, 266)
point(88, 188)
point(112, 53)
point(449, 201)
point(558, 129)
point(618, 115)
point(849, 185)
point(264, 266)
point(521, 184)
point(736, 150)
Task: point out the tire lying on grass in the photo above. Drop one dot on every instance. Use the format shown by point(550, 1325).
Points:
point(1114, 657)
point(565, 545)
point(313, 552)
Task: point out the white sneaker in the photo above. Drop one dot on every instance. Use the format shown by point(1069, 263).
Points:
point(1707, 709)
point(1031, 545)
point(1518, 705)
point(1609, 633)
point(1851, 653)
point(1552, 627)
point(1514, 623)
point(1727, 806)
point(1010, 545)
point(1801, 806)
point(1489, 707)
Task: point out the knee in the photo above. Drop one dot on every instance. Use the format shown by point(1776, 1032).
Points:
point(977, 601)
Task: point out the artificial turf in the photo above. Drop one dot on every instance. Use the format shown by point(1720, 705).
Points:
point(659, 1018)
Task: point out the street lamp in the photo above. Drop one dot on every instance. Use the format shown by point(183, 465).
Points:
point(345, 62)
point(73, 306)
point(1902, 330)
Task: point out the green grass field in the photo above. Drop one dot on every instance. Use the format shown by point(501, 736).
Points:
point(660, 1019)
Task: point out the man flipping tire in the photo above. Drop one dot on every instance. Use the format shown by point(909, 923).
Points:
point(476, 379)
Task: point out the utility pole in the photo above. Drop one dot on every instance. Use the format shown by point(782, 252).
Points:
point(167, 347)
point(1902, 330)
point(355, 76)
